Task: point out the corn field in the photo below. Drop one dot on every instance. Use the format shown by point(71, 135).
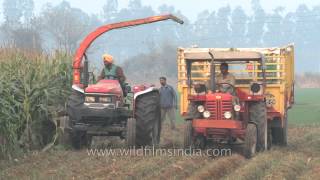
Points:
point(33, 88)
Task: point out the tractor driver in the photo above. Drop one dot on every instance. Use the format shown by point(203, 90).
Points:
point(225, 77)
point(112, 71)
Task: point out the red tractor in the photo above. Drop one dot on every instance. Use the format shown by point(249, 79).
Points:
point(235, 118)
point(106, 108)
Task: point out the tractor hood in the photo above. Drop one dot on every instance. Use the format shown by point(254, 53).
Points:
point(105, 87)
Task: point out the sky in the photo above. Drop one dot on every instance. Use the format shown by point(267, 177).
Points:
point(189, 8)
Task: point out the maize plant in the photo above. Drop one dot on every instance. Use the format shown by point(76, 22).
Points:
point(32, 89)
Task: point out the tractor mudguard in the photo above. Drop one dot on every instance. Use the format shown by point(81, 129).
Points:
point(148, 90)
point(78, 89)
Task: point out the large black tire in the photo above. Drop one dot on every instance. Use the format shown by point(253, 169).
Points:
point(188, 138)
point(131, 133)
point(75, 100)
point(250, 141)
point(193, 112)
point(80, 139)
point(258, 115)
point(148, 117)
point(156, 133)
point(270, 138)
point(280, 135)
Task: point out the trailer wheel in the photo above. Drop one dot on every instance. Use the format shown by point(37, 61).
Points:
point(258, 115)
point(148, 119)
point(270, 139)
point(279, 134)
point(131, 133)
point(188, 138)
point(250, 141)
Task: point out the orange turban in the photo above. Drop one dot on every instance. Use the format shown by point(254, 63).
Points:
point(107, 58)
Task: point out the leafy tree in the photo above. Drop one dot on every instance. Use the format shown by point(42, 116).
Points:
point(302, 35)
point(17, 12)
point(223, 31)
point(288, 29)
point(110, 10)
point(256, 24)
point(66, 25)
point(274, 28)
point(238, 27)
point(18, 28)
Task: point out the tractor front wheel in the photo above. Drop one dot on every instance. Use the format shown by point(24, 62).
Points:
point(258, 115)
point(131, 133)
point(80, 139)
point(250, 141)
point(75, 101)
point(188, 135)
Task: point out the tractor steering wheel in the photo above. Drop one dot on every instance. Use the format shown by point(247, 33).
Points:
point(230, 85)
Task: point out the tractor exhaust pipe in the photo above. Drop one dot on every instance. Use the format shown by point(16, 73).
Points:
point(212, 72)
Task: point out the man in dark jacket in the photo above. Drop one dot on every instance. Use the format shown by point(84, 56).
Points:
point(168, 102)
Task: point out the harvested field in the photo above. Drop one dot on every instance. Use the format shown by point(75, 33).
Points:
point(300, 159)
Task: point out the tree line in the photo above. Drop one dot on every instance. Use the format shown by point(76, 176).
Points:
point(62, 27)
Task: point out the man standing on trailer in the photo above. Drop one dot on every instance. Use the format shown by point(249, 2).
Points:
point(168, 102)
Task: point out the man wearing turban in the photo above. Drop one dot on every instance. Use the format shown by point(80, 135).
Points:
point(111, 71)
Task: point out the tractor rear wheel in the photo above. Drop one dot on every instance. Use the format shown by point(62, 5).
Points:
point(188, 132)
point(258, 115)
point(250, 141)
point(131, 133)
point(148, 119)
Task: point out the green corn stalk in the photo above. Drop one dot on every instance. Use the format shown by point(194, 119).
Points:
point(32, 88)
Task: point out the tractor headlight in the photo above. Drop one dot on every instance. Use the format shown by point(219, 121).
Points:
point(105, 99)
point(255, 87)
point(237, 108)
point(90, 99)
point(227, 115)
point(201, 108)
point(206, 114)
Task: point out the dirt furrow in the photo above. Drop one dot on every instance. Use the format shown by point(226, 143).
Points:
point(289, 167)
point(218, 168)
point(143, 168)
point(255, 167)
point(313, 171)
point(179, 169)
